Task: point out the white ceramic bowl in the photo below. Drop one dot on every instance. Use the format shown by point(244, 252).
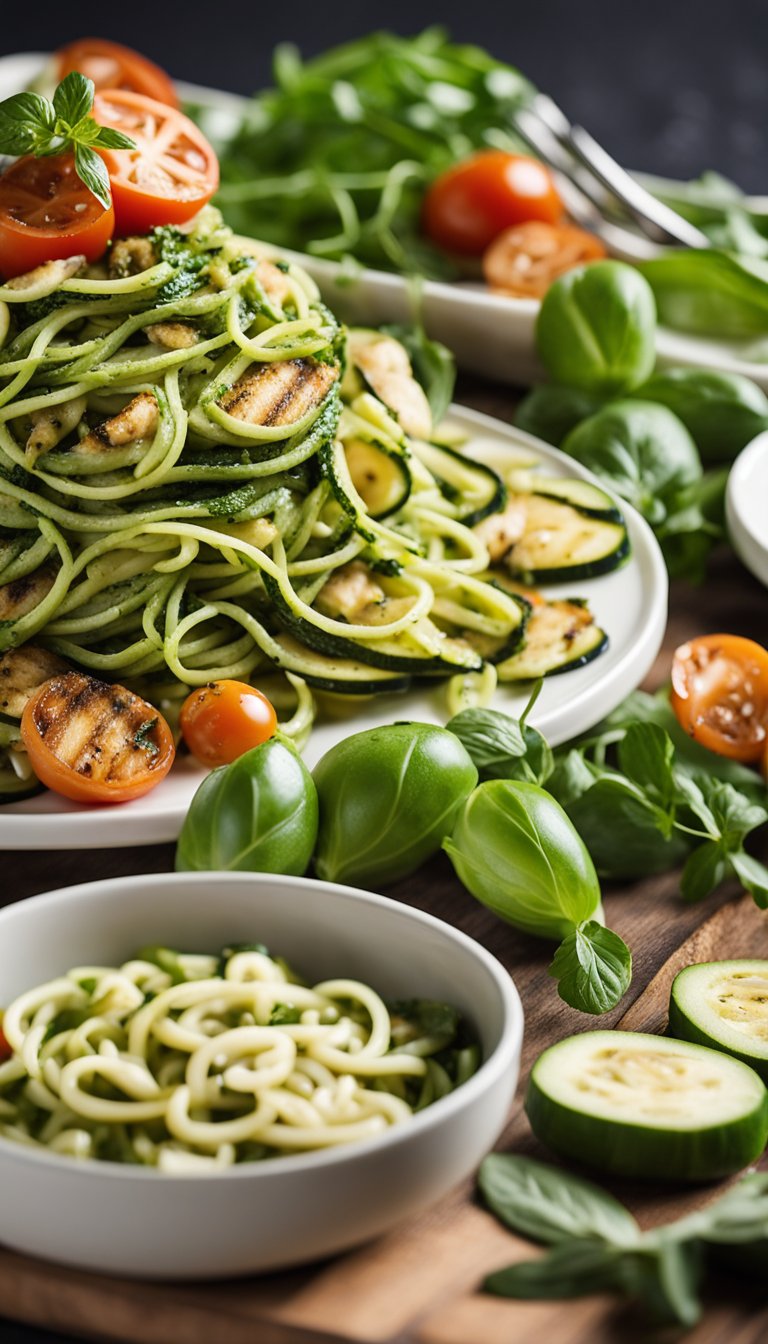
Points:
point(135, 1221)
point(746, 508)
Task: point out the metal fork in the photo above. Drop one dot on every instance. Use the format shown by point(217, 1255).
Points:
point(597, 191)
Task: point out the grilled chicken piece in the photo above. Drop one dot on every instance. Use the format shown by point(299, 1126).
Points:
point(385, 366)
point(22, 671)
point(172, 335)
point(51, 274)
point(102, 732)
point(129, 256)
point(51, 425)
point(137, 420)
point(21, 596)
point(502, 531)
point(353, 593)
point(279, 394)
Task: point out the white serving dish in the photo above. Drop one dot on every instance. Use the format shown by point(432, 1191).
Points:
point(490, 334)
point(746, 506)
point(136, 1221)
point(630, 604)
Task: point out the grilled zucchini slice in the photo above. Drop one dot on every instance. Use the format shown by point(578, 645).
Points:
point(559, 636)
point(724, 1004)
point(645, 1106)
point(346, 676)
point(589, 499)
point(381, 478)
point(473, 488)
point(541, 539)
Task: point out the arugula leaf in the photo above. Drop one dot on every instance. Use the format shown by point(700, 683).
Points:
point(550, 1205)
point(593, 968)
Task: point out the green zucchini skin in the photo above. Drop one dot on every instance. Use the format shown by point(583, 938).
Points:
point(699, 1152)
point(686, 1020)
point(583, 496)
point(568, 573)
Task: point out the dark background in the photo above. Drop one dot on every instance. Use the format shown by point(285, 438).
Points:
point(669, 86)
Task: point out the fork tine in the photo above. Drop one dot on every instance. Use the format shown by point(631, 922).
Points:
point(655, 218)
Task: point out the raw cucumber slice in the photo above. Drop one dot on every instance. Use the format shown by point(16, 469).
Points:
point(647, 1106)
point(724, 1004)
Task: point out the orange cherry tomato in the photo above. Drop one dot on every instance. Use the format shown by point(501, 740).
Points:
point(720, 694)
point(170, 175)
point(112, 66)
point(47, 213)
point(472, 203)
point(525, 259)
point(95, 743)
point(224, 719)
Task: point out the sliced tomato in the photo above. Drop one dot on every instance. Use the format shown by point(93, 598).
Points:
point(112, 66)
point(473, 202)
point(525, 259)
point(47, 213)
point(720, 694)
point(170, 175)
point(95, 743)
point(224, 719)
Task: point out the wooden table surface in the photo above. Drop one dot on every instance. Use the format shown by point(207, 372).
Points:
point(419, 1284)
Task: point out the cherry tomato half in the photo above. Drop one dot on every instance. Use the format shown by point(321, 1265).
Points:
point(95, 743)
point(720, 694)
point(47, 213)
point(473, 202)
point(224, 719)
point(525, 259)
point(112, 66)
point(170, 175)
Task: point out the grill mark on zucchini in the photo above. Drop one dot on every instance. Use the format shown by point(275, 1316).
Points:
point(559, 636)
point(543, 539)
point(100, 731)
point(278, 394)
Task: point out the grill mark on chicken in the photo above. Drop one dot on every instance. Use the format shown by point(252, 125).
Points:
point(22, 672)
point(278, 394)
point(137, 420)
point(93, 727)
point(22, 595)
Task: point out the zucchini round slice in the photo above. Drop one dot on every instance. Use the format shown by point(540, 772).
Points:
point(645, 1106)
point(382, 479)
point(724, 1004)
point(559, 636)
point(560, 542)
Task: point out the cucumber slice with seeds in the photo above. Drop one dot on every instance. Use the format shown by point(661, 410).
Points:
point(724, 1004)
point(645, 1106)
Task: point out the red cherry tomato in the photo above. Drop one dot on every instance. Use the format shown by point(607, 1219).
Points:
point(720, 694)
point(95, 743)
point(47, 213)
point(473, 202)
point(112, 66)
point(170, 175)
point(224, 719)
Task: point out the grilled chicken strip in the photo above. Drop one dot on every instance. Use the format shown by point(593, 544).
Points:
point(22, 671)
point(21, 596)
point(279, 394)
point(137, 420)
point(172, 335)
point(129, 256)
point(385, 365)
point(51, 425)
point(51, 274)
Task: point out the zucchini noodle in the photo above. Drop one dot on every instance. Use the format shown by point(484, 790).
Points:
point(192, 1063)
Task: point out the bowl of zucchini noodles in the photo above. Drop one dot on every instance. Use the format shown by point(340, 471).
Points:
point(221, 1074)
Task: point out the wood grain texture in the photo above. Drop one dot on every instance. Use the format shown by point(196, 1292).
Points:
point(419, 1284)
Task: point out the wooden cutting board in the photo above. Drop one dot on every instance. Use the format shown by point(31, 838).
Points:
point(419, 1284)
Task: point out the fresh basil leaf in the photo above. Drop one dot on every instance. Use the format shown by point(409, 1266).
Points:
point(550, 412)
point(646, 755)
point(704, 870)
point(692, 793)
point(572, 1269)
point(752, 875)
point(491, 738)
point(739, 1216)
point(24, 118)
point(664, 1277)
point(73, 99)
point(593, 968)
point(627, 835)
point(572, 777)
point(92, 170)
point(107, 138)
point(735, 815)
point(550, 1205)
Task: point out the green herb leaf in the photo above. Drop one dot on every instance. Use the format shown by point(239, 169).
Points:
point(550, 1205)
point(284, 1015)
point(92, 170)
point(704, 870)
point(24, 119)
point(73, 99)
point(593, 968)
point(752, 875)
point(572, 1269)
point(646, 755)
point(107, 138)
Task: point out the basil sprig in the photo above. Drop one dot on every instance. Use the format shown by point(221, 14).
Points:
point(596, 1244)
point(31, 124)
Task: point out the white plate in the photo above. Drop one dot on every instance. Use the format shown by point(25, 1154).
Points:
point(490, 334)
point(630, 604)
point(745, 507)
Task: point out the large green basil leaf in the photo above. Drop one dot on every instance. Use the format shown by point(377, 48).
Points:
point(388, 797)
point(710, 293)
point(722, 411)
point(550, 412)
point(258, 814)
point(596, 328)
